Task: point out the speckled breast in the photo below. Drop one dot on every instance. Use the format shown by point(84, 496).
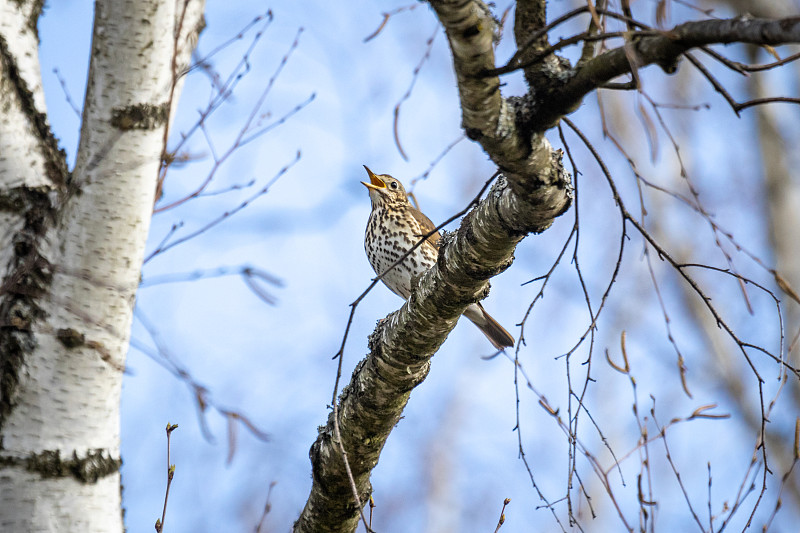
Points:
point(389, 235)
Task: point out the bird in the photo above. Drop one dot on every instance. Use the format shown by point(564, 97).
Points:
point(394, 227)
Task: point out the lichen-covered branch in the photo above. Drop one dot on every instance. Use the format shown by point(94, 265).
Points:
point(533, 191)
point(402, 346)
point(510, 129)
point(530, 16)
point(503, 126)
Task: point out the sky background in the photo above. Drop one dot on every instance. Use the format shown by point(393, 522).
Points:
point(454, 457)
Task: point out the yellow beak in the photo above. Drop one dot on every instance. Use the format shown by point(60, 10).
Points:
point(375, 182)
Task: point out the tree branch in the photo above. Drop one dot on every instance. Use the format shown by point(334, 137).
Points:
point(402, 345)
point(537, 190)
point(533, 191)
point(530, 16)
point(510, 129)
point(501, 126)
point(664, 50)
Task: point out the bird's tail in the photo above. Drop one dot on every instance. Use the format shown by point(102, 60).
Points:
point(497, 335)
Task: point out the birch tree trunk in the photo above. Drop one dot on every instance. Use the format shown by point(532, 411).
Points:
point(71, 251)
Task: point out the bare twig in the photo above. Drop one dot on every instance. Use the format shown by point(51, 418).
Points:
point(435, 162)
point(165, 245)
point(386, 16)
point(502, 518)
point(170, 475)
point(67, 96)
point(242, 137)
point(407, 95)
point(162, 355)
point(267, 507)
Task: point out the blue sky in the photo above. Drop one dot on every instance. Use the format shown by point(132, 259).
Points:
point(454, 457)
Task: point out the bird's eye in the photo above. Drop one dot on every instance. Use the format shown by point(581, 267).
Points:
point(394, 185)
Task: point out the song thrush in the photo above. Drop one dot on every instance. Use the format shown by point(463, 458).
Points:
point(394, 227)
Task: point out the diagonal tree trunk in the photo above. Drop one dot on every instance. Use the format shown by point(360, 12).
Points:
point(72, 253)
point(533, 191)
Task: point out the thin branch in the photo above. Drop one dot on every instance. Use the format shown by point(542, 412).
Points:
point(67, 96)
point(166, 245)
point(170, 475)
point(199, 63)
point(163, 356)
point(386, 16)
point(240, 138)
point(502, 518)
point(665, 49)
point(267, 507)
point(668, 455)
point(407, 95)
point(435, 162)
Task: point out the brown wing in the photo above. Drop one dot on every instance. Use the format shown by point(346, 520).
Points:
point(426, 225)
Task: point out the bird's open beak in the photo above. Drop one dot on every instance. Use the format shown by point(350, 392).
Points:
point(375, 182)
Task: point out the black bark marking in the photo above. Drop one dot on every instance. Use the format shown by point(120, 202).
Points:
point(95, 465)
point(139, 116)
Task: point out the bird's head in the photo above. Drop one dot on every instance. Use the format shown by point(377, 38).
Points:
point(384, 189)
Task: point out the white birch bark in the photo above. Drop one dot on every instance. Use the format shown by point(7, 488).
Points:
point(71, 257)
